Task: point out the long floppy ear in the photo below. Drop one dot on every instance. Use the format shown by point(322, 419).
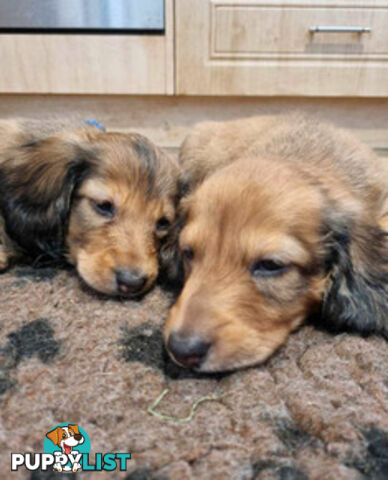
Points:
point(170, 265)
point(54, 435)
point(170, 262)
point(357, 294)
point(37, 182)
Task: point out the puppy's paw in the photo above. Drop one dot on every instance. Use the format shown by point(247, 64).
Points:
point(76, 466)
point(57, 467)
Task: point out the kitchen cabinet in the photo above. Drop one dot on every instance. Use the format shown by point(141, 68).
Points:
point(282, 47)
point(88, 63)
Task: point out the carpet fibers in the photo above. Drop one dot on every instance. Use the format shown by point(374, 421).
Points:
point(316, 410)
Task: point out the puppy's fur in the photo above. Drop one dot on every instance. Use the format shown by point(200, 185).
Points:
point(104, 202)
point(289, 218)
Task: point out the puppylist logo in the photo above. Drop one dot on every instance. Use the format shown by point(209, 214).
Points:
point(67, 449)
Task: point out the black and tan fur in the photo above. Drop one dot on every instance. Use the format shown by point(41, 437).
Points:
point(56, 193)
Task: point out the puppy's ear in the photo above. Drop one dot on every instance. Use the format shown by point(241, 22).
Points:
point(170, 265)
point(73, 428)
point(54, 435)
point(37, 183)
point(170, 261)
point(357, 293)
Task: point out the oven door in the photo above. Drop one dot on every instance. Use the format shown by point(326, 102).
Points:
point(82, 15)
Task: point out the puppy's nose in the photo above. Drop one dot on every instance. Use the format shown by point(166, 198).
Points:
point(190, 351)
point(130, 281)
point(78, 436)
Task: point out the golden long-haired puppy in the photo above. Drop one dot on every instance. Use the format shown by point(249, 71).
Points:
point(103, 201)
point(290, 219)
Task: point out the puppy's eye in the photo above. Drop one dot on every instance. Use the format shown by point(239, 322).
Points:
point(106, 208)
point(162, 224)
point(267, 268)
point(187, 253)
point(64, 435)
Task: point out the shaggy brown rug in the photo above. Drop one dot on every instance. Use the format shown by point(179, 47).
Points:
point(316, 410)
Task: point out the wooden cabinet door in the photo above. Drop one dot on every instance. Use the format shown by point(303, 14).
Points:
point(83, 64)
point(282, 47)
point(88, 63)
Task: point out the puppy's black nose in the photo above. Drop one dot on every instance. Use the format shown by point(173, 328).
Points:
point(78, 436)
point(130, 281)
point(190, 351)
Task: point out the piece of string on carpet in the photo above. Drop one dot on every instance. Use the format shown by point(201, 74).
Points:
point(152, 409)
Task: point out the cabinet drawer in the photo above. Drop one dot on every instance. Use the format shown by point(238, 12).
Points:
point(277, 47)
point(242, 31)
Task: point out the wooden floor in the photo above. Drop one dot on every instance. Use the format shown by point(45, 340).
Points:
point(166, 120)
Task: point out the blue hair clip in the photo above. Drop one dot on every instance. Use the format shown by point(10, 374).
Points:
point(96, 124)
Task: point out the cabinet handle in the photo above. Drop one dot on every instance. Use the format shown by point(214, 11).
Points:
point(339, 29)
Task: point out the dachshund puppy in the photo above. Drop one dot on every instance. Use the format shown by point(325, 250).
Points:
point(289, 219)
point(105, 202)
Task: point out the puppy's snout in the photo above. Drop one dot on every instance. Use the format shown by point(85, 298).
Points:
point(188, 350)
point(130, 281)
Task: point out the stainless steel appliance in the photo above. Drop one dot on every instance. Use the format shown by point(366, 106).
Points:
point(84, 15)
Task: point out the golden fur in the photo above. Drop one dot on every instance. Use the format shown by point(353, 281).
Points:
point(104, 202)
point(286, 219)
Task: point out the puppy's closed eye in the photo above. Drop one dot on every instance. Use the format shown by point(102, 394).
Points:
point(104, 208)
point(268, 268)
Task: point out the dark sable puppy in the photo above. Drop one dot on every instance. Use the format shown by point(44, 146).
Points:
point(291, 219)
point(105, 202)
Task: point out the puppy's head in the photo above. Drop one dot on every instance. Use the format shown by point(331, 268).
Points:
point(66, 437)
point(105, 201)
point(256, 250)
point(123, 214)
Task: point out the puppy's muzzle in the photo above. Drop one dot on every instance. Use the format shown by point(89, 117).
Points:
point(130, 281)
point(188, 350)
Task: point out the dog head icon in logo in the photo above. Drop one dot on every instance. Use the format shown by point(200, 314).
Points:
point(67, 449)
point(67, 442)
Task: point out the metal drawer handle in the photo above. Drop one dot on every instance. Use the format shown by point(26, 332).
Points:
point(339, 29)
